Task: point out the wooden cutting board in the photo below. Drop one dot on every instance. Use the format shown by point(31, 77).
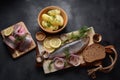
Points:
point(16, 53)
point(46, 63)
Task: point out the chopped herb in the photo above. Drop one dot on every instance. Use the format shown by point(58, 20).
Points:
point(74, 37)
point(49, 67)
point(66, 63)
point(48, 24)
point(63, 42)
point(67, 54)
point(83, 31)
point(53, 16)
point(20, 38)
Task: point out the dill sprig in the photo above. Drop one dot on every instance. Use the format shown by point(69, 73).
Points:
point(67, 54)
point(50, 67)
point(83, 31)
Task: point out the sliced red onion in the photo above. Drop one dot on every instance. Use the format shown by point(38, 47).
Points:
point(19, 30)
point(59, 63)
point(12, 38)
point(74, 60)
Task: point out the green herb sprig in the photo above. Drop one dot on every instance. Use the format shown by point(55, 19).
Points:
point(20, 38)
point(50, 67)
point(67, 55)
point(83, 31)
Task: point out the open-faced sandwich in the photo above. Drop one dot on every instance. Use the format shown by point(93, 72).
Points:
point(18, 39)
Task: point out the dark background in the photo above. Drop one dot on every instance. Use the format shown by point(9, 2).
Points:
point(103, 15)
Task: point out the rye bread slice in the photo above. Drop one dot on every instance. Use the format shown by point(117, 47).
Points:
point(94, 52)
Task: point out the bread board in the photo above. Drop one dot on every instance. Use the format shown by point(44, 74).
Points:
point(16, 53)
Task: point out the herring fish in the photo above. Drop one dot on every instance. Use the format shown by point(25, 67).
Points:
point(73, 47)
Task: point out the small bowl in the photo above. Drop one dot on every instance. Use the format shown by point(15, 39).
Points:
point(45, 10)
point(97, 38)
point(40, 36)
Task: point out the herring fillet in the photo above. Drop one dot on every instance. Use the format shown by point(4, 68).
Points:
point(73, 48)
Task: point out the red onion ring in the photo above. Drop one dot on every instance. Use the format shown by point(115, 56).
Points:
point(59, 63)
point(74, 60)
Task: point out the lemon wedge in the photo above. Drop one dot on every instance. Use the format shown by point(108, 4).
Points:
point(46, 42)
point(8, 31)
point(55, 42)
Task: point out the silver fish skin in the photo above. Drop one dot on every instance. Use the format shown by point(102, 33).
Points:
point(73, 47)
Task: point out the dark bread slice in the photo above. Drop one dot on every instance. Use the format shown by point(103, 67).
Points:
point(93, 53)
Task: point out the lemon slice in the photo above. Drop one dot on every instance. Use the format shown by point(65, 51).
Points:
point(8, 31)
point(46, 42)
point(50, 50)
point(55, 42)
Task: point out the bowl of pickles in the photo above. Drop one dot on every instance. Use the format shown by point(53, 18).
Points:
point(52, 19)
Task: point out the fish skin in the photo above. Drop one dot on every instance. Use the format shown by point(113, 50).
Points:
point(25, 44)
point(73, 47)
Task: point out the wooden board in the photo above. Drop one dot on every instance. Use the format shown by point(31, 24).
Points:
point(16, 53)
point(47, 62)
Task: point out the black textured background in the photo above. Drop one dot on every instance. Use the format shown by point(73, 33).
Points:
point(103, 15)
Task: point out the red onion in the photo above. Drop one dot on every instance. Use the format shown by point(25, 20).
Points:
point(19, 30)
point(59, 63)
point(12, 38)
point(74, 60)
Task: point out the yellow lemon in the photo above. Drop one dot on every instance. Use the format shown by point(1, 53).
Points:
point(55, 42)
point(46, 42)
point(8, 31)
point(50, 50)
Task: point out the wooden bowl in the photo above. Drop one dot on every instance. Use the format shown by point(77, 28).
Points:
point(45, 10)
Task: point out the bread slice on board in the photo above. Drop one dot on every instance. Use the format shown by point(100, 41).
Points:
point(93, 53)
point(16, 53)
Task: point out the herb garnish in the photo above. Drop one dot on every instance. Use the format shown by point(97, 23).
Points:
point(83, 31)
point(20, 38)
point(74, 37)
point(67, 54)
point(49, 67)
point(48, 24)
